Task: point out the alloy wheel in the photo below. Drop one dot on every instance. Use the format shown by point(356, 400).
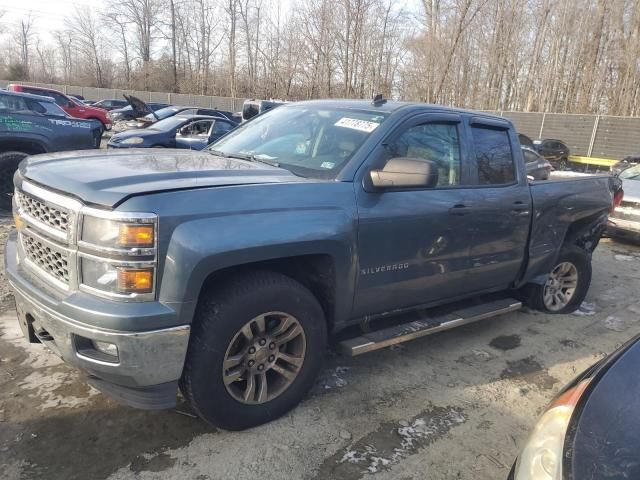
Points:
point(264, 358)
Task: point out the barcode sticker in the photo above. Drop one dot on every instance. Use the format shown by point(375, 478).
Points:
point(355, 124)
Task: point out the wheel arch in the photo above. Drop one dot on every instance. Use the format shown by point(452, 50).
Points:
point(28, 146)
point(316, 272)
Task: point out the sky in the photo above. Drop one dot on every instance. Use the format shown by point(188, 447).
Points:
point(48, 14)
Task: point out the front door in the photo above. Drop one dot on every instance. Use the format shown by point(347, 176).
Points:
point(194, 135)
point(413, 245)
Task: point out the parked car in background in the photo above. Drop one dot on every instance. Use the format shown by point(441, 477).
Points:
point(627, 162)
point(251, 108)
point(224, 271)
point(525, 140)
point(32, 124)
point(163, 113)
point(69, 105)
point(591, 429)
point(110, 104)
point(537, 167)
point(555, 151)
point(135, 109)
point(624, 222)
point(178, 131)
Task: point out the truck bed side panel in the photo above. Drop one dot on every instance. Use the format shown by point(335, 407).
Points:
point(575, 210)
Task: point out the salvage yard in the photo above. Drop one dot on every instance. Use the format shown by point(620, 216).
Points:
point(454, 405)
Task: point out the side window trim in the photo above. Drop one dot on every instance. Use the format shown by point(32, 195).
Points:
point(441, 118)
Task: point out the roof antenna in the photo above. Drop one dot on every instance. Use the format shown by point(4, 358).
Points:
point(378, 100)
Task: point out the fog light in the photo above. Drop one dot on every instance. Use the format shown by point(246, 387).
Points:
point(105, 347)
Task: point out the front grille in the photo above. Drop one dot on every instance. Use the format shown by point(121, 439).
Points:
point(49, 259)
point(54, 217)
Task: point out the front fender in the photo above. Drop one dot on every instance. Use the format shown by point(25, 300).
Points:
point(204, 246)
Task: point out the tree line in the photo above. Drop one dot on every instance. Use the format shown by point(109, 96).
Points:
point(578, 56)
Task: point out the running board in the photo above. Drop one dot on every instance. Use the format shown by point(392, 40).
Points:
point(368, 342)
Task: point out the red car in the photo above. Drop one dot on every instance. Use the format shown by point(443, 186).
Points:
point(68, 104)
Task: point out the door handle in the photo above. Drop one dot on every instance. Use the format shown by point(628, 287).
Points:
point(460, 209)
point(520, 208)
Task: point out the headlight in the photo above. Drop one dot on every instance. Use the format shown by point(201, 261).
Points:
point(103, 232)
point(118, 254)
point(132, 141)
point(541, 457)
point(115, 279)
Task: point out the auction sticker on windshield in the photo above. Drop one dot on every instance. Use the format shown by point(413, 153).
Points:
point(355, 124)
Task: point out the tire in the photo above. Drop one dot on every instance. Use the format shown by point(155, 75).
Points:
point(218, 327)
point(9, 162)
point(533, 295)
point(563, 164)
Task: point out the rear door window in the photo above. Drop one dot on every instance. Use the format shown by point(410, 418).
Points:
point(494, 158)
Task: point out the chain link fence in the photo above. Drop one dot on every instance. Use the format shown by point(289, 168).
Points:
point(586, 135)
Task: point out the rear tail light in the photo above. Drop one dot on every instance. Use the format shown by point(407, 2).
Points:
point(617, 199)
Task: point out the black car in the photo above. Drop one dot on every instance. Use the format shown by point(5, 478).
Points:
point(110, 104)
point(556, 151)
point(31, 124)
point(537, 167)
point(178, 131)
point(592, 428)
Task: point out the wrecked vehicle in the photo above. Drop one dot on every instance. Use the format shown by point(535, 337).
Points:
point(223, 272)
point(178, 131)
point(136, 108)
point(153, 116)
point(624, 222)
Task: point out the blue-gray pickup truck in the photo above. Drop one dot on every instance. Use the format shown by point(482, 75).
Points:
point(225, 272)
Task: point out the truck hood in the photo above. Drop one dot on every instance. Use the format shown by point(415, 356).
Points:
point(107, 178)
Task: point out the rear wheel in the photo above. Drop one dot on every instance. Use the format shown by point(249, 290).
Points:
point(565, 288)
point(9, 162)
point(564, 164)
point(255, 349)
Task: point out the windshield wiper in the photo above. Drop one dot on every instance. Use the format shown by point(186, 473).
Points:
point(245, 156)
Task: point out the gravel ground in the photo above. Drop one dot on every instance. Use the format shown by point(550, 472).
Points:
point(456, 405)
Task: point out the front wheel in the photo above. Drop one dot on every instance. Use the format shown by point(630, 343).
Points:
point(565, 288)
point(256, 347)
point(9, 162)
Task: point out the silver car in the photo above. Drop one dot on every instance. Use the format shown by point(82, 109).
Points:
point(624, 222)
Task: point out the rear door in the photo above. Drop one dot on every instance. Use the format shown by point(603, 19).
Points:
point(501, 208)
point(413, 245)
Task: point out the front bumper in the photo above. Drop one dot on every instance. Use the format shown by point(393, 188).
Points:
point(147, 362)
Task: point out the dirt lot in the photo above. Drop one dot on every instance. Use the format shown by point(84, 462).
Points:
point(453, 406)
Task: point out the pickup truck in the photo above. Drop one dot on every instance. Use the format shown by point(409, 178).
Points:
point(31, 124)
point(224, 272)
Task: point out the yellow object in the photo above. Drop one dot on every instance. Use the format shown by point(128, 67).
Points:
point(601, 162)
point(136, 236)
point(18, 221)
point(135, 281)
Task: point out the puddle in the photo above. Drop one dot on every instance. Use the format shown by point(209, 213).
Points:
point(529, 370)
point(506, 342)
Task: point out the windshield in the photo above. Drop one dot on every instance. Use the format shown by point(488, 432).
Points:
point(168, 124)
point(162, 113)
point(311, 141)
point(632, 173)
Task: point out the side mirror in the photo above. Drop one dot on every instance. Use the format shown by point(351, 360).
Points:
point(403, 172)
